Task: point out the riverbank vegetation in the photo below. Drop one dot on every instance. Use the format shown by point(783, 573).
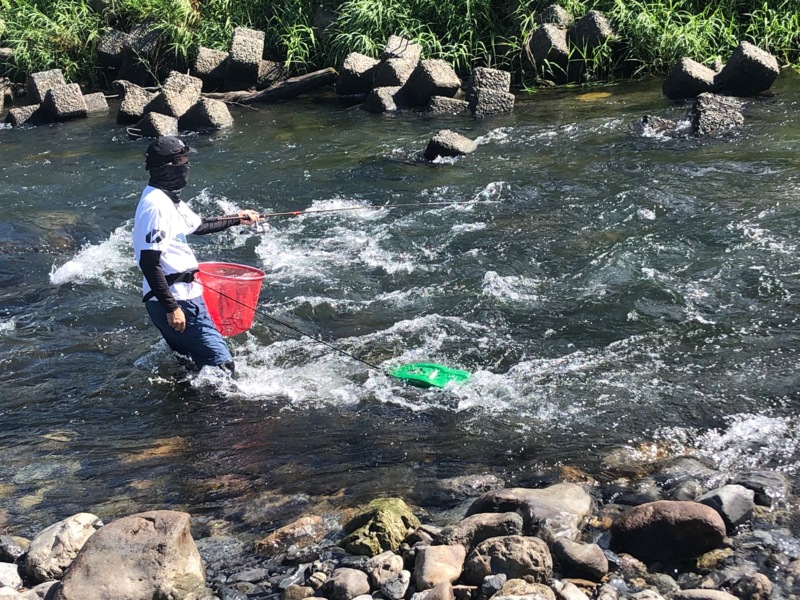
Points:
point(311, 34)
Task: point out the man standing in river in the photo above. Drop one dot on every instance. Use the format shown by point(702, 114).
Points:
point(172, 298)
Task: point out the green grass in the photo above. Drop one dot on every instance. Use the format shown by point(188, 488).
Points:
point(653, 34)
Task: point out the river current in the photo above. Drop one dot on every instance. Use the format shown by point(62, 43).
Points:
point(609, 288)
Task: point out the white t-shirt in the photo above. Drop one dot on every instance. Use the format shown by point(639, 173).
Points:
point(162, 225)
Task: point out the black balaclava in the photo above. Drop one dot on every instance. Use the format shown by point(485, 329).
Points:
point(168, 162)
point(170, 177)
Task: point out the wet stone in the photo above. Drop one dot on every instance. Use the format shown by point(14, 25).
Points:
point(134, 102)
point(430, 78)
point(485, 78)
point(207, 115)
point(178, 94)
point(715, 115)
point(449, 143)
point(749, 71)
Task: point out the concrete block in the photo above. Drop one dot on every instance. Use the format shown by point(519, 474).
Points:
point(356, 75)
point(206, 115)
point(96, 103)
point(449, 143)
point(39, 83)
point(432, 77)
point(400, 47)
point(64, 102)
point(154, 125)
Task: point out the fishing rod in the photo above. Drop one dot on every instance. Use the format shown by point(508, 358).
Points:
point(299, 213)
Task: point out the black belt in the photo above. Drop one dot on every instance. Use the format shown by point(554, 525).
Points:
point(185, 277)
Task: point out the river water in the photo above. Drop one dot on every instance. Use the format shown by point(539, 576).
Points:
point(608, 288)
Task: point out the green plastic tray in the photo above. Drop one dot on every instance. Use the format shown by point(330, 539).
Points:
point(426, 375)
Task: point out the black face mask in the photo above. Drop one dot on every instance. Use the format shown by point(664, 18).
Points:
point(169, 177)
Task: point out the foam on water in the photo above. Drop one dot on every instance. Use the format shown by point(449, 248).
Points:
point(8, 325)
point(107, 263)
point(514, 288)
point(748, 441)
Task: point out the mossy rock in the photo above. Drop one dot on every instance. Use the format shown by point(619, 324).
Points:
point(382, 526)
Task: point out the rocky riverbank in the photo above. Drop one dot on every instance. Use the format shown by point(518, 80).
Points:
point(675, 529)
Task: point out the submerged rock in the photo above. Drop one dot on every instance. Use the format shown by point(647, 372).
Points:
point(449, 143)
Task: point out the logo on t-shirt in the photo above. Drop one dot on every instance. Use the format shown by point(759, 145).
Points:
point(155, 236)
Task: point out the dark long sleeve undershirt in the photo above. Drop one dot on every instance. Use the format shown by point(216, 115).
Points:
point(213, 225)
point(150, 264)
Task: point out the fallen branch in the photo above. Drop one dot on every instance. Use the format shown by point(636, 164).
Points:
point(280, 91)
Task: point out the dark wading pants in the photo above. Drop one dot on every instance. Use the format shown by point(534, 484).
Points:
point(200, 340)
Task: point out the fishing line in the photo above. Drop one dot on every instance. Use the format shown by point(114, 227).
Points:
point(292, 327)
point(422, 375)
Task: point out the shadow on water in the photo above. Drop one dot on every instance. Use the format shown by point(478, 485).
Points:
point(620, 290)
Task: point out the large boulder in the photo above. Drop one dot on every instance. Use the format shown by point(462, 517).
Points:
point(356, 74)
point(715, 115)
point(486, 102)
point(96, 103)
point(448, 143)
point(748, 71)
point(146, 555)
point(668, 530)
point(688, 79)
point(587, 561)
point(556, 15)
point(516, 556)
point(112, 47)
point(442, 105)
point(432, 77)
point(551, 512)
point(382, 526)
point(54, 548)
point(269, 73)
